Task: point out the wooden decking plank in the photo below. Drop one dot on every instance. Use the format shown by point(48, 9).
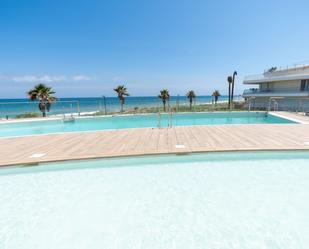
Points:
point(142, 141)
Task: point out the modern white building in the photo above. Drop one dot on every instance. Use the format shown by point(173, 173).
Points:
point(279, 89)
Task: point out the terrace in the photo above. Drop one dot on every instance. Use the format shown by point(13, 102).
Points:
point(294, 72)
point(144, 141)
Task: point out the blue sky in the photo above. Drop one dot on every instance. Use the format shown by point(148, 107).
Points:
point(85, 48)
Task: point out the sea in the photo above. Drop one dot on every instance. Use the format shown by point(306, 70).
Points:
point(10, 108)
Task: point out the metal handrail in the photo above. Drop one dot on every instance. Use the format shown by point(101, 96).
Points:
point(24, 107)
point(276, 90)
point(296, 70)
point(170, 114)
point(159, 120)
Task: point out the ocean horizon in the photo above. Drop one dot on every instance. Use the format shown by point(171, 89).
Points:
point(12, 107)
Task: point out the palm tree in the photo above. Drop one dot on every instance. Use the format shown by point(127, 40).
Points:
point(44, 94)
point(230, 81)
point(122, 92)
point(164, 95)
point(216, 94)
point(191, 95)
point(233, 83)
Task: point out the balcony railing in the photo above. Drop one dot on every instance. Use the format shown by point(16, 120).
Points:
point(251, 91)
point(296, 70)
point(296, 66)
point(278, 91)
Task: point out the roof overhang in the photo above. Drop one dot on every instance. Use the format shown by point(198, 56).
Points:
point(265, 79)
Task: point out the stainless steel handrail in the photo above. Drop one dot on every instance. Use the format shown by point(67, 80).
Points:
point(159, 119)
point(170, 122)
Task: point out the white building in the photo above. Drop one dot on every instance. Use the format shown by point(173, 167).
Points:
point(279, 89)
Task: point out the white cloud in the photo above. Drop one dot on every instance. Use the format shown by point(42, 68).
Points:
point(81, 77)
point(43, 78)
point(34, 78)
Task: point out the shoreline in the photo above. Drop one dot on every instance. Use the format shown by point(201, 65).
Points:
point(129, 111)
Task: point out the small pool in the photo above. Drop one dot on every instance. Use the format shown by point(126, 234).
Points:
point(138, 121)
point(218, 200)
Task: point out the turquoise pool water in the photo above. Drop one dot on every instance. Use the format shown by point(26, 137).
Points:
point(217, 200)
point(137, 121)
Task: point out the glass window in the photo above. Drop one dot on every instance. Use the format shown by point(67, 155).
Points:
point(303, 84)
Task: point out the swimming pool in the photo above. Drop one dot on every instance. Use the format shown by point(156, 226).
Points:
point(218, 200)
point(137, 121)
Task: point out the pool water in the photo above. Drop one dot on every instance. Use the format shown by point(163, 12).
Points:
point(137, 121)
point(218, 200)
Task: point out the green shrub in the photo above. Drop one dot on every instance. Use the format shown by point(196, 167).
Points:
point(28, 115)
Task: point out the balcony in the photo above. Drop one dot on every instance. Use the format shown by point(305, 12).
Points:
point(297, 73)
point(287, 92)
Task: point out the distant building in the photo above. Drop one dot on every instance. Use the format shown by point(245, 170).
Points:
point(279, 89)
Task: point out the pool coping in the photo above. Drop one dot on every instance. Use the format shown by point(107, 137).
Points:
point(34, 164)
point(294, 119)
point(133, 128)
point(60, 117)
point(111, 116)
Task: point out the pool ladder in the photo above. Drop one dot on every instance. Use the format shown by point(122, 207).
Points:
point(67, 119)
point(170, 118)
point(159, 120)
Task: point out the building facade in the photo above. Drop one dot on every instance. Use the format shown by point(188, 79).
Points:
point(284, 89)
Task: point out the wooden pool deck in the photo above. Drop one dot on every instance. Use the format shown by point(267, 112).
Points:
point(144, 141)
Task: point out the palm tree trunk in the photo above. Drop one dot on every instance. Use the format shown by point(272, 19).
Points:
point(121, 104)
point(42, 108)
point(190, 104)
point(229, 95)
point(164, 105)
point(233, 85)
point(232, 93)
point(44, 112)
